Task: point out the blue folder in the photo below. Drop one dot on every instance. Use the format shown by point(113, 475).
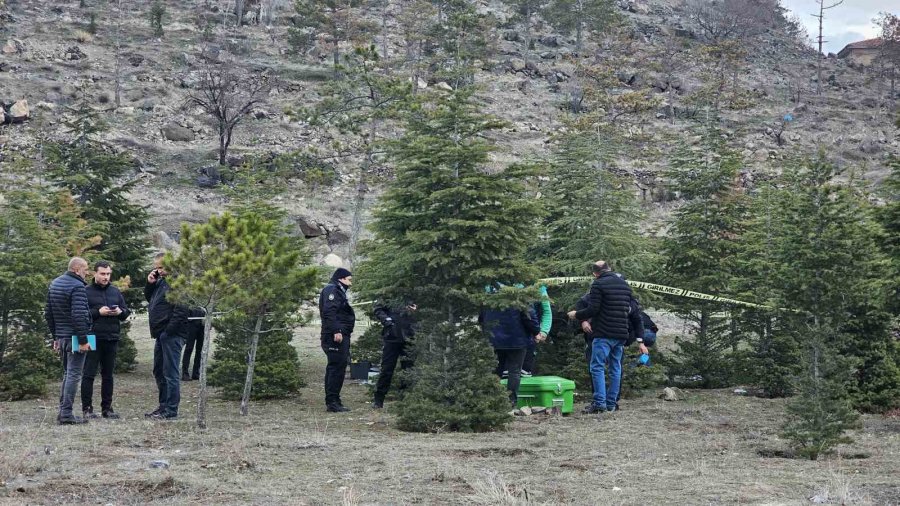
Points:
point(92, 341)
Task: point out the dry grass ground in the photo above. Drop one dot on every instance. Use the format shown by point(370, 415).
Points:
point(708, 449)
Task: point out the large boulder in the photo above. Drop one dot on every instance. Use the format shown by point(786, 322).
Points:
point(309, 228)
point(549, 41)
point(19, 112)
point(332, 260)
point(162, 241)
point(177, 133)
point(12, 46)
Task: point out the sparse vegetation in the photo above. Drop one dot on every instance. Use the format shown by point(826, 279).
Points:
point(157, 17)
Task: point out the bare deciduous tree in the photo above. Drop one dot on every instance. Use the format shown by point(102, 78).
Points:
point(821, 39)
point(721, 20)
point(117, 35)
point(888, 59)
point(227, 97)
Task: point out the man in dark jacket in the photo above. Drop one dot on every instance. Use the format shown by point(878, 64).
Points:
point(168, 325)
point(398, 329)
point(511, 332)
point(193, 344)
point(108, 311)
point(338, 320)
point(68, 315)
point(609, 303)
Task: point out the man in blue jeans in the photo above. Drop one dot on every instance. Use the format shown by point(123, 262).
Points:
point(606, 315)
point(168, 325)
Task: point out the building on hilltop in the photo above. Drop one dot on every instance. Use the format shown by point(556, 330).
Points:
point(864, 52)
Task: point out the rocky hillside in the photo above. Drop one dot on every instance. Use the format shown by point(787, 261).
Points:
point(47, 56)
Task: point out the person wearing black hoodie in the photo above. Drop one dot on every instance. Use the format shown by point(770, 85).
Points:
point(193, 344)
point(338, 320)
point(398, 330)
point(169, 326)
point(108, 311)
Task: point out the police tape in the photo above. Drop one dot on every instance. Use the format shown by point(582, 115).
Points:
point(679, 292)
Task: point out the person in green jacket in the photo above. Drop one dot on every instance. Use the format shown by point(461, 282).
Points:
point(546, 319)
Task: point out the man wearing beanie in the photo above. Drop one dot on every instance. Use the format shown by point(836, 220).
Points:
point(338, 320)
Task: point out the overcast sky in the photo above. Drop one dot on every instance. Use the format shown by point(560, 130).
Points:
point(849, 22)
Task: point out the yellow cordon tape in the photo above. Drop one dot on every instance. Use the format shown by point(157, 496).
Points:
point(680, 292)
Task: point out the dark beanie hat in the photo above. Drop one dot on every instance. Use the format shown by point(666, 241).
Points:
point(341, 273)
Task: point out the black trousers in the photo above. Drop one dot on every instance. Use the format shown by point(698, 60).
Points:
point(511, 360)
point(391, 353)
point(193, 343)
point(103, 358)
point(530, 363)
point(338, 355)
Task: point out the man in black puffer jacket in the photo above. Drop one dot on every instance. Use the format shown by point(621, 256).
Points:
point(169, 326)
point(68, 315)
point(108, 311)
point(609, 303)
point(338, 320)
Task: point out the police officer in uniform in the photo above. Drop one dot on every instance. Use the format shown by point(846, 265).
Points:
point(338, 320)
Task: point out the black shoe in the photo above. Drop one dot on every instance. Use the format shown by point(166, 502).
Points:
point(377, 404)
point(195, 377)
point(89, 413)
point(591, 409)
point(110, 414)
point(163, 416)
point(185, 377)
point(153, 413)
point(336, 408)
point(72, 420)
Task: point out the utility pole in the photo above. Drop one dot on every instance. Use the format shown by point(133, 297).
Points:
point(821, 40)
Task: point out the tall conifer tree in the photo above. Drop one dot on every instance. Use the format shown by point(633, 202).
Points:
point(447, 227)
point(701, 250)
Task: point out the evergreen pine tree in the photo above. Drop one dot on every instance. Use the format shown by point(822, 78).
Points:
point(526, 10)
point(445, 229)
point(254, 353)
point(27, 367)
point(341, 20)
point(215, 269)
point(818, 417)
point(276, 372)
point(461, 39)
point(700, 253)
point(455, 388)
point(774, 358)
point(581, 15)
point(38, 232)
point(590, 213)
point(820, 227)
point(888, 217)
point(126, 353)
point(93, 172)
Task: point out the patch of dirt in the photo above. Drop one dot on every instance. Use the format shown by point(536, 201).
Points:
point(492, 452)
